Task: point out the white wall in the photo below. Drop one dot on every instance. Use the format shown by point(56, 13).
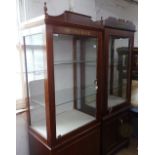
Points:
point(94, 8)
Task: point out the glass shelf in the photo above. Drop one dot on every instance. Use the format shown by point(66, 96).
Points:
point(71, 120)
point(114, 101)
point(65, 123)
point(61, 62)
point(64, 97)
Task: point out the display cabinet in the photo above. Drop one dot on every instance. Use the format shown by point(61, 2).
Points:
point(118, 53)
point(119, 38)
point(63, 59)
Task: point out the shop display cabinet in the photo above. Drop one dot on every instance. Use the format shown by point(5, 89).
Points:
point(63, 59)
point(118, 52)
point(119, 38)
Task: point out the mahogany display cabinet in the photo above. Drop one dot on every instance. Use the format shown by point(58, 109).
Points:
point(118, 52)
point(64, 59)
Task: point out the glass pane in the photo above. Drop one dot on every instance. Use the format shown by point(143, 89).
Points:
point(36, 76)
point(118, 69)
point(75, 60)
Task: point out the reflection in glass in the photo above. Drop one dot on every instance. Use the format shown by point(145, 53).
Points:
point(118, 70)
point(36, 75)
point(75, 78)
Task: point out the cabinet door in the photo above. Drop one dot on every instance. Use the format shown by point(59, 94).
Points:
point(75, 65)
point(116, 132)
point(118, 69)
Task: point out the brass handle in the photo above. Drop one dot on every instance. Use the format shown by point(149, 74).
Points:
point(121, 121)
point(95, 84)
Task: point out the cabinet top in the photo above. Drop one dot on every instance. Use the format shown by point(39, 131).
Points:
point(112, 22)
point(68, 18)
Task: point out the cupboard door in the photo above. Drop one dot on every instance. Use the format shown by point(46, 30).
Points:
point(118, 69)
point(75, 80)
point(116, 132)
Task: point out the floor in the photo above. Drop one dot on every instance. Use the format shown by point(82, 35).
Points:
point(131, 150)
point(22, 139)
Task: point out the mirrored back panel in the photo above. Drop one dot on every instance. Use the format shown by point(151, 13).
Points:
point(118, 70)
point(75, 67)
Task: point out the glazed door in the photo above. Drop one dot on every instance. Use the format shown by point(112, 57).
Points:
point(118, 70)
point(118, 66)
point(75, 80)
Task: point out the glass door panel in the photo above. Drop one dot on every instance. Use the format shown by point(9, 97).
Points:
point(36, 73)
point(75, 59)
point(118, 70)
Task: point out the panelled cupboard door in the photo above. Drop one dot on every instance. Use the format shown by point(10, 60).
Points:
point(115, 132)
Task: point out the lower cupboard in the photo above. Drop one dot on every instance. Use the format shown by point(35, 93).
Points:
point(116, 131)
point(86, 144)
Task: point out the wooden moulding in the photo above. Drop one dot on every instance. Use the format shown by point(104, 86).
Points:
point(119, 24)
point(69, 18)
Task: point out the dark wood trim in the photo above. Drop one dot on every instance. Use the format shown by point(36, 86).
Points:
point(135, 63)
point(50, 89)
point(106, 65)
point(82, 72)
point(74, 31)
point(116, 148)
point(119, 33)
point(116, 112)
point(69, 18)
point(112, 67)
point(131, 44)
point(122, 24)
point(100, 77)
